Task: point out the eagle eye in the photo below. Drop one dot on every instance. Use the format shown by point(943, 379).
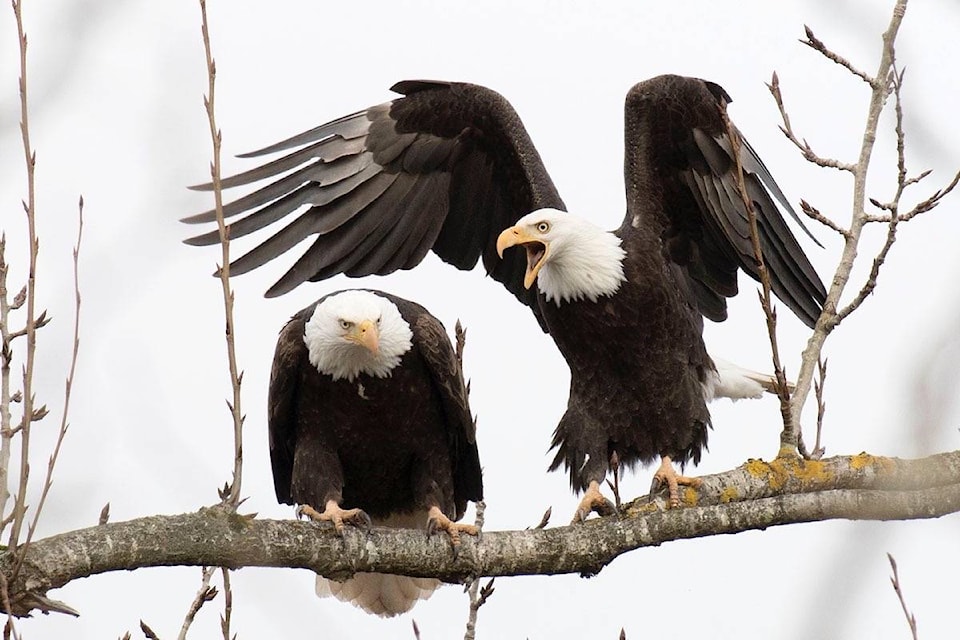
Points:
point(345, 324)
point(543, 227)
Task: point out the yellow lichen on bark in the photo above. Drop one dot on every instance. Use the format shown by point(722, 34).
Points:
point(729, 494)
point(781, 470)
point(879, 464)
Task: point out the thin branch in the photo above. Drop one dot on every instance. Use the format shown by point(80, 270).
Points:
point(30, 157)
point(802, 145)
point(814, 214)
point(829, 318)
point(227, 604)
point(473, 584)
point(817, 45)
point(5, 600)
point(205, 594)
point(895, 581)
point(68, 385)
point(233, 497)
point(6, 357)
point(788, 438)
point(148, 633)
point(818, 449)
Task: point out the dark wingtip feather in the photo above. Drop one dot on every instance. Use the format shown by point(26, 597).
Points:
point(204, 239)
point(198, 218)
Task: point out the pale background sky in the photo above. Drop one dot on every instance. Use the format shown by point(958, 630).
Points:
point(117, 115)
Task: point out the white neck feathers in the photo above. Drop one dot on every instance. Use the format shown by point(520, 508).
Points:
point(340, 358)
point(585, 262)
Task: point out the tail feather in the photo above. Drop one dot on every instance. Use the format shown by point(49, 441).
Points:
point(383, 594)
point(735, 382)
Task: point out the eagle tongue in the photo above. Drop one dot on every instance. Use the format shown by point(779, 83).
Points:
point(535, 251)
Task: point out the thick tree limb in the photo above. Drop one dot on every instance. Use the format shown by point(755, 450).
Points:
point(756, 495)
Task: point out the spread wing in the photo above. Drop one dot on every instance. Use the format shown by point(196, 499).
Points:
point(681, 157)
point(445, 168)
point(290, 356)
point(431, 339)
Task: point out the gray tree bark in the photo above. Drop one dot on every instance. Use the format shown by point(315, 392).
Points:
point(755, 495)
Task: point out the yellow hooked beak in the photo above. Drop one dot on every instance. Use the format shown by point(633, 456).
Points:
point(366, 334)
point(537, 250)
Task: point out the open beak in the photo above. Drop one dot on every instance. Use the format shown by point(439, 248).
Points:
point(537, 251)
point(366, 335)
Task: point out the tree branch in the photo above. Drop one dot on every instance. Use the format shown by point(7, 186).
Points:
point(756, 495)
point(829, 318)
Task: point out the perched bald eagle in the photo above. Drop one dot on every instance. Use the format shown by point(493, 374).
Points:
point(369, 421)
point(450, 168)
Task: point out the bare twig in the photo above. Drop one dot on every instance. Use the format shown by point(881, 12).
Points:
point(416, 629)
point(788, 438)
point(6, 357)
point(803, 145)
point(895, 581)
point(818, 449)
point(545, 519)
point(461, 338)
point(829, 318)
point(615, 485)
point(814, 214)
point(30, 157)
point(67, 387)
point(205, 594)
point(10, 628)
point(893, 207)
point(233, 498)
point(477, 596)
point(148, 632)
point(817, 45)
point(227, 604)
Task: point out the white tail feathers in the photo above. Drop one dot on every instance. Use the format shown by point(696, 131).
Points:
point(737, 383)
point(383, 594)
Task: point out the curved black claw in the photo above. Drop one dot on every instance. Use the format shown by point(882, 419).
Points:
point(361, 520)
point(601, 506)
point(593, 502)
point(655, 486)
point(437, 522)
point(337, 516)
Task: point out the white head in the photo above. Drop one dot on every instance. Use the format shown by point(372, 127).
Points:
point(568, 257)
point(356, 332)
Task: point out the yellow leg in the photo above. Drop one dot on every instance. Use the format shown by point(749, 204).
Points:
point(593, 500)
point(666, 474)
point(333, 513)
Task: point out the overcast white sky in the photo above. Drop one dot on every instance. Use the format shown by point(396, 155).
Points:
point(117, 115)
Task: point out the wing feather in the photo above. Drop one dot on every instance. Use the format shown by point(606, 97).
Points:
point(683, 186)
point(431, 339)
point(459, 156)
point(290, 355)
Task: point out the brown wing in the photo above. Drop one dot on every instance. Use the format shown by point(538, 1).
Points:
point(445, 168)
point(431, 339)
point(288, 359)
point(682, 184)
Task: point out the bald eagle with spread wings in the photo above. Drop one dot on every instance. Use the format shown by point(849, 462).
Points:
point(448, 167)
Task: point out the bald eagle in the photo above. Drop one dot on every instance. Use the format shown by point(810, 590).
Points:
point(449, 168)
point(369, 421)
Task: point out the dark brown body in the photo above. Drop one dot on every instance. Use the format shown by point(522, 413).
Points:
point(637, 361)
point(385, 445)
